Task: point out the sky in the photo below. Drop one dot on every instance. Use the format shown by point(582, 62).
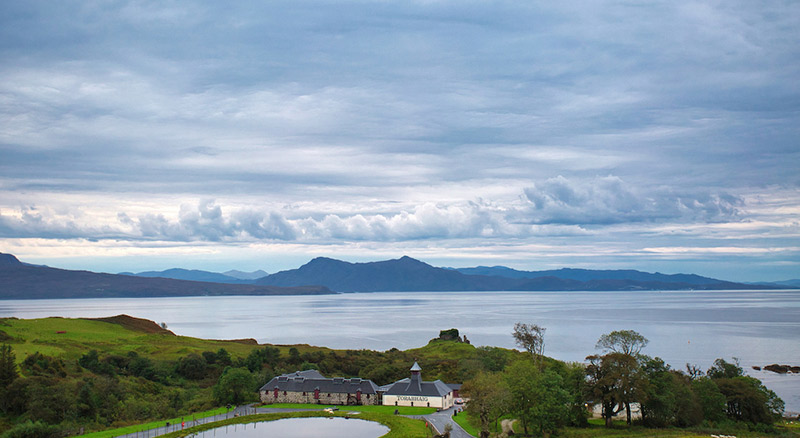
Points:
point(662, 136)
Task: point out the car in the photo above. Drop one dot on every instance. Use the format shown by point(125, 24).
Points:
point(459, 401)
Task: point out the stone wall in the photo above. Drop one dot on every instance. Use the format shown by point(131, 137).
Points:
point(324, 398)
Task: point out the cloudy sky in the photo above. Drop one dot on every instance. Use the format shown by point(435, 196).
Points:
point(661, 136)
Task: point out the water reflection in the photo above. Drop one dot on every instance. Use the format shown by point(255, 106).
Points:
point(300, 428)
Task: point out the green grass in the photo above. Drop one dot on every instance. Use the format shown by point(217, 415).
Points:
point(466, 422)
point(153, 424)
point(32, 335)
point(472, 426)
point(389, 410)
point(400, 427)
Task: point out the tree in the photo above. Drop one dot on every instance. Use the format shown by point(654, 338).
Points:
point(488, 397)
point(667, 396)
point(531, 338)
point(551, 410)
point(520, 377)
point(712, 402)
point(749, 400)
point(725, 370)
point(192, 367)
point(615, 382)
point(622, 341)
point(234, 386)
point(8, 366)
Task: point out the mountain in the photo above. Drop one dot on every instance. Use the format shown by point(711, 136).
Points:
point(791, 284)
point(255, 275)
point(400, 275)
point(191, 275)
point(407, 274)
point(21, 281)
point(591, 275)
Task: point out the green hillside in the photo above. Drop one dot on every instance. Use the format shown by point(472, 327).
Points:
point(95, 374)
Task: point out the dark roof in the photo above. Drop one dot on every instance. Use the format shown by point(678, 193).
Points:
point(454, 386)
point(417, 387)
point(305, 381)
point(308, 374)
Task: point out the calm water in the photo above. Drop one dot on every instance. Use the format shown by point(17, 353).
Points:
point(758, 327)
point(300, 428)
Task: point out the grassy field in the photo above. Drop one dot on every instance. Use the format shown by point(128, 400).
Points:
point(389, 410)
point(27, 336)
point(45, 335)
point(400, 427)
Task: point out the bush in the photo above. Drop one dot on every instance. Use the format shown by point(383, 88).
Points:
point(30, 429)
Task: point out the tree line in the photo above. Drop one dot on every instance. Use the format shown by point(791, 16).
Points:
point(546, 395)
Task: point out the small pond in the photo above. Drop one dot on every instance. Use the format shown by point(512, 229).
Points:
point(314, 427)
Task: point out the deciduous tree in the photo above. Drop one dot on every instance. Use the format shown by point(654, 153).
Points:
point(488, 398)
point(234, 386)
point(622, 341)
point(531, 338)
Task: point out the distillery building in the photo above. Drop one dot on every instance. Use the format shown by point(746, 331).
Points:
point(312, 387)
point(413, 391)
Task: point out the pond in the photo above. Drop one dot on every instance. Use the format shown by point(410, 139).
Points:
point(316, 427)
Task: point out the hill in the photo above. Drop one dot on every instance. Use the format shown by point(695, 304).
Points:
point(407, 274)
point(190, 275)
point(255, 275)
point(591, 275)
point(21, 281)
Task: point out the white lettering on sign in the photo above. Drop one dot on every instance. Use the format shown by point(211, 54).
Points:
point(412, 398)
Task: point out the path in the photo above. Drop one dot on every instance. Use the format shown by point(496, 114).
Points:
point(440, 419)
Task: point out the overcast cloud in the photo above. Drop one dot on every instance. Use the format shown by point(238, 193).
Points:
point(660, 136)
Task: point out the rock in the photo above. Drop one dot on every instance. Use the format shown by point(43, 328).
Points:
point(782, 369)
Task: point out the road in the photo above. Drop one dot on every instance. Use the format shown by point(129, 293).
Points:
point(440, 419)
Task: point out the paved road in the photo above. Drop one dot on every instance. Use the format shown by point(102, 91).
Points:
point(440, 419)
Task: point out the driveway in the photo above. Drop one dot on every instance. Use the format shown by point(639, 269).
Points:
point(440, 419)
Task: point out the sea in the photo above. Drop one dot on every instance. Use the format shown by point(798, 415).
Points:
point(757, 328)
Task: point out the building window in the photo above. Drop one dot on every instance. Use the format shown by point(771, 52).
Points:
point(304, 393)
point(284, 392)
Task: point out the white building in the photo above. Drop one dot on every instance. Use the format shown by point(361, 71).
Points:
point(415, 392)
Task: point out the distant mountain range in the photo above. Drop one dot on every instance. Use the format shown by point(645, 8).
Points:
point(22, 281)
point(323, 275)
point(407, 274)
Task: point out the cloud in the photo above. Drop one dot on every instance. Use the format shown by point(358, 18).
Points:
point(609, 200)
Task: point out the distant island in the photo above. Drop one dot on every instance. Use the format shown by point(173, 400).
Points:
point(323, 275)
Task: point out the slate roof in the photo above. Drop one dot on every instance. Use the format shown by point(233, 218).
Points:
point(308, 381)
point(417, 387)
